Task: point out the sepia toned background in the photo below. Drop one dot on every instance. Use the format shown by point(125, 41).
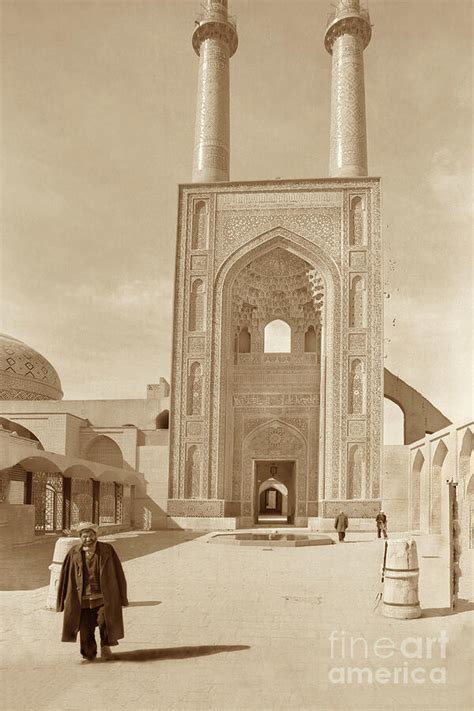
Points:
point(97, 124)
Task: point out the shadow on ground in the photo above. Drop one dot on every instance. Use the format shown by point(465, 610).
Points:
point(461, 606)
point(25, 567)
point(144, 603)
point(149, 655)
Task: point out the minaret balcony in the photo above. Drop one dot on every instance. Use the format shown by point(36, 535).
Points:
point(215, 28)
point(357, 24)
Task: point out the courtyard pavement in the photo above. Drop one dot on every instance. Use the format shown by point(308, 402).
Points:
point(227, 627)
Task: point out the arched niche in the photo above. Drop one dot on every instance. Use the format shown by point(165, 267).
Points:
point(310, 340)
point(163, 420)
point(356, 472)
point(197, 306)
point(357, 222)
point(416, 470)
point(104, 450)
point(244, 340)
point(358, 302)
point(200, 225)
point(436, 484)
point(192, 481)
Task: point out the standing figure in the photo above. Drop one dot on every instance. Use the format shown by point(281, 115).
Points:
point(340, 524)
point(92, 591)
point(381, 521)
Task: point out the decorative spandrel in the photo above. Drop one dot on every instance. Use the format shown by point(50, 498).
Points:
point(357, 223)
point(356, 472)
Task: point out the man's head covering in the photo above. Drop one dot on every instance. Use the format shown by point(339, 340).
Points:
point(88, 526)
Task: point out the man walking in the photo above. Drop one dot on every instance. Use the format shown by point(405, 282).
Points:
point(92, 591)
point(340, 524)
point(381, 521)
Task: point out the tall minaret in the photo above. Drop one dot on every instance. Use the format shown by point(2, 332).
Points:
point(214, 41)
point(347, 35)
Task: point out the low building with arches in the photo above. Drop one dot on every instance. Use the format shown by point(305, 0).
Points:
point(434, 462)
point(445, 456)
point(64, 461)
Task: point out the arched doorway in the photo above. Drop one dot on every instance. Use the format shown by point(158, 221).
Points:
point(271, 502)
point(275, 491)
point(273, 495)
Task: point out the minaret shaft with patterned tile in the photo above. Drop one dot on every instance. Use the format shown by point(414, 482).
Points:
point(347, 35)
point(214, 41)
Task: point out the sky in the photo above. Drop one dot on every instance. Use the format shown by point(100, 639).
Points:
point(97, 104)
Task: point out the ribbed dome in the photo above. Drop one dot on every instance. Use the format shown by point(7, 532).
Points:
point(26, 374)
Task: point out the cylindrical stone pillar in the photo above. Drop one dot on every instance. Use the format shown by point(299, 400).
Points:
point(347, 35)
point(61, 549)
point(214, 41)
point(400, 591)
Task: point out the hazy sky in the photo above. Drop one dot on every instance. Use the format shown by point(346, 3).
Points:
point(97, 123)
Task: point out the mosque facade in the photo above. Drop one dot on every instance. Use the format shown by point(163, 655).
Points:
point(304, 256)
point(275, 410)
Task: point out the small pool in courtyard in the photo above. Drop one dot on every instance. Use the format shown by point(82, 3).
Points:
point(272, 538)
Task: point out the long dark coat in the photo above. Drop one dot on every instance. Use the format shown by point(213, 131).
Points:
point(112, 584)
point(341, 522)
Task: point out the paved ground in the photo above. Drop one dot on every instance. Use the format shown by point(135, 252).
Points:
point(222, 627)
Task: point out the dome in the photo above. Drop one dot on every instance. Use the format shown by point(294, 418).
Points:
point(26, 374)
